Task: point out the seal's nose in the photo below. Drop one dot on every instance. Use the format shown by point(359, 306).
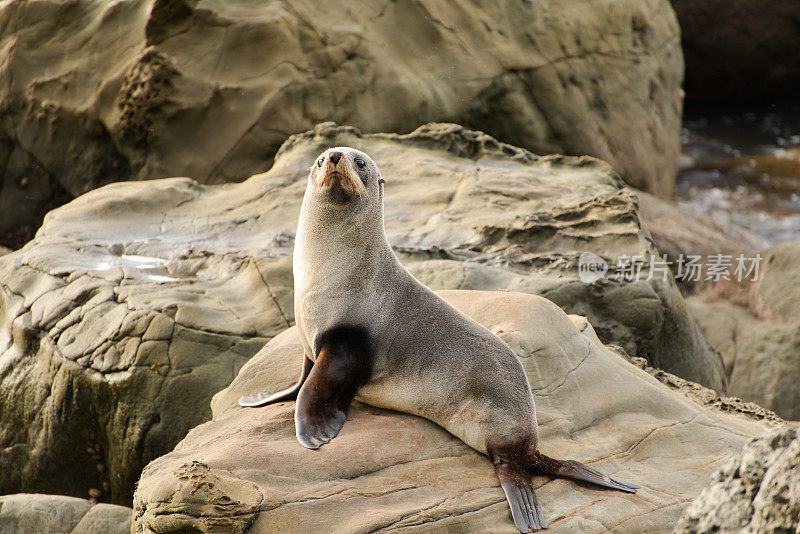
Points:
point(335, 157)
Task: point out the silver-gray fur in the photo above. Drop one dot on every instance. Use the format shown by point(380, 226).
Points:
point(430, 359)
point(372, 331)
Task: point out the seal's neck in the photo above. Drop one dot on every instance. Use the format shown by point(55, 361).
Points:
point(334, 247)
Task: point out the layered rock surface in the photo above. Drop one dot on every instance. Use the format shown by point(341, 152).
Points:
point(138, 301)
point(758, 332)
point(36, 513)
point(757, 491)
point(94, 92)
point(245, 472)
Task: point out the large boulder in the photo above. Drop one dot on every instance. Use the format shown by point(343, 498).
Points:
point(757, 491)
point(34, 513)
point(758, 334)
point(740, 49)
point(94, 92)
point(140, 300)
point(245, 472)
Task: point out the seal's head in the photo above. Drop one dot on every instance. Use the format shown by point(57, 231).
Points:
point(345, 178)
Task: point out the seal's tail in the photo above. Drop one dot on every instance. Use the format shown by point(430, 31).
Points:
point(539, 464)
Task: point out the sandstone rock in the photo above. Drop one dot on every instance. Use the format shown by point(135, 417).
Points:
point(30, 512)
point(767, 366)
point(738, 49)
point(778, 290)
point(677, 233)
point(138, 301)
point(702, 394)
point(758, 491)
point(720, 321)
point(388, 470)
point(759, 339)
point(94, 92)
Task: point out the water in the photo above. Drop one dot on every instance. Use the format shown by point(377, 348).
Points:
point(743, 168)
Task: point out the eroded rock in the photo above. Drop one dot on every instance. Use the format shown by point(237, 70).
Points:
point(758, 333)
point(680, 234)
point(388, 470)
point(31, 512)
point(138, 301)
point(95, 92)
point(755, 492)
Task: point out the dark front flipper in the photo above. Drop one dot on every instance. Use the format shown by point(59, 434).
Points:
point(263, 398)
point(525, 509)
point(344, 364)
point(544, 465)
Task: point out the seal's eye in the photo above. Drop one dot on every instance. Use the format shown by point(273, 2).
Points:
point(360, 163)
point(320, 161)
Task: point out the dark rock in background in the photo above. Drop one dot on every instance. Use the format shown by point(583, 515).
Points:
point(96, 92)
point(740, 49)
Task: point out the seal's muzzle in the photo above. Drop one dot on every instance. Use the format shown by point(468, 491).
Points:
point(338, 179)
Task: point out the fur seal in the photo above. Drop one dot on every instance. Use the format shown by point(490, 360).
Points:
point(372, 331)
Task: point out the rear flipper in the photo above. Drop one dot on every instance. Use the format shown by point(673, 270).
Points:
point(540, 464)
point(525, 509)
point(263, 398)
point(514, 465)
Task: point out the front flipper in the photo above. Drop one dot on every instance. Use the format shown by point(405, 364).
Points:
point(263, 398)
point(343, 365)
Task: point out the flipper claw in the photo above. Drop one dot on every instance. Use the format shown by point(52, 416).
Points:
point(257, 399)
point(262, 398)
